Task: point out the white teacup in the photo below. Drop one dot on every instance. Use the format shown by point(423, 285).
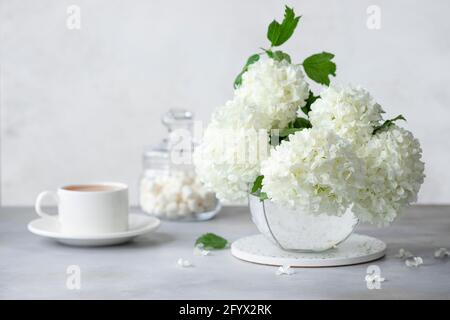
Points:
point(89, 209)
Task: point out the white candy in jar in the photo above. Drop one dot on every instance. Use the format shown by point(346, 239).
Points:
point(178, 194)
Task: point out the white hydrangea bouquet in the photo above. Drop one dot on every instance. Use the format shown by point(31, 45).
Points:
point(317, 154)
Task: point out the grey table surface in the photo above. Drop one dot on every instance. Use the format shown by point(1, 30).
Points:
point(35, 268)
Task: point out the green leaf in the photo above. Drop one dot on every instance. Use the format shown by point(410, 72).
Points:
point(311, 99)
point(252, 59)
point(287, 131)
point(297, 125)
point(278, 55)
point(256, 189)
point(279, 33)
point(211, 241)
point(263, 196)
point(302, 123)
point(388, 123)
point(257, 185)
point(319, 67)
point(283, 134)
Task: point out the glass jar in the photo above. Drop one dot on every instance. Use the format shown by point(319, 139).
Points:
point(169, 187)
point(298, 231)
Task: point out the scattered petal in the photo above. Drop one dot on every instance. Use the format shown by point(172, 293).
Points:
point(284, 270)
point(199, 251)
point(414, 262)
point(184, 263)
point(441, 253)
point(404, 254)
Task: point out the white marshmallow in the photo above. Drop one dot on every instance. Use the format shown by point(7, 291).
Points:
point(178, 194)
point(192, 205)
point(186, 192)
point(183, 209)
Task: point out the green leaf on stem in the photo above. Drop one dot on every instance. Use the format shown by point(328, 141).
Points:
point(287, 131)
point(387, 124)
point(311, 99)
point(256, 189)
point(278, 55)
point(279, 33)
point(283, 134)
point(252, 59)
point(263, 196)
point(319, 67)
point(257, 185)
point(302, 123)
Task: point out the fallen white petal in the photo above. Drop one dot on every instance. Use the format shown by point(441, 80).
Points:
point(284, 270)
point(441, 253)
point(404, 254)
point(184, 263)
point(414, 262)
point(199, 251)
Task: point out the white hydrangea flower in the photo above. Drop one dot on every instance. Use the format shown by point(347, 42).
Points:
point(316, 171)
point(235, 114)
point(349, 111)
point(269, 96)
point(272, 92)
point(228, 160)
point(394, 172)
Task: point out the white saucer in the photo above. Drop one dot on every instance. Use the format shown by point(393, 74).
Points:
point(356, 249)
point(138, 224)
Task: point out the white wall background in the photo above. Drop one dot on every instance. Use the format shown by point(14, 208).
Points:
point(79, 105)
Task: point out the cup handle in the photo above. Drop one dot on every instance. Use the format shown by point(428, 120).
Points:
point(39, 200)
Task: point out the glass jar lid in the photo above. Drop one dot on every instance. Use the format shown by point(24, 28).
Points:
point(177, 118)
point(177, 121)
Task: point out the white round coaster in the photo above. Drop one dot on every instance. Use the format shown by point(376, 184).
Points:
point(356, 249)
